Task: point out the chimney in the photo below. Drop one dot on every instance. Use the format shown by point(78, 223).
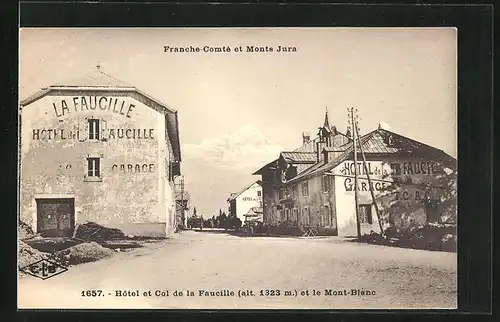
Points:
point(325, 156)
point(306, 138)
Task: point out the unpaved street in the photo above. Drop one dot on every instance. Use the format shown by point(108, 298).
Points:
point(301, 269)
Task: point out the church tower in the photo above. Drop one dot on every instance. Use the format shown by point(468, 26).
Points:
point(325, 132)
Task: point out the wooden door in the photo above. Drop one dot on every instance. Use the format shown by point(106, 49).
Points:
point(55, 217)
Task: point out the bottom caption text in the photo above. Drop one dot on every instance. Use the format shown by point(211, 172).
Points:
point(228, 293)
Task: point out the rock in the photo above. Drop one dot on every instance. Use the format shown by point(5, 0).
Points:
point(25, 231)
point(28, 255)
point(94, 232)
point(83, 253)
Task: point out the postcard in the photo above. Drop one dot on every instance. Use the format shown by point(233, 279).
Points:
point(237, 168)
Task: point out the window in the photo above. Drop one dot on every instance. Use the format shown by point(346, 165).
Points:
point(396, 168)
point(94, 167)
point(305, 216)
point(93, 129)
point(365, 214)
point(287, 193)
point(326, 183)
point(280, 194)
point(282, 215)
point(389, 140)
point(259, 193)
point(305, 188)
point(326, 215)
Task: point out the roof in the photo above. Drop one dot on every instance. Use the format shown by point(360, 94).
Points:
point(254, 211)
point(326, 124)
point(272, 163)
point(299, 157)
point(96, 78)
point(374, 143)
point(311, 145)
point(236, 194)
point(100, 81)
point(307, 147)
point(341, 148)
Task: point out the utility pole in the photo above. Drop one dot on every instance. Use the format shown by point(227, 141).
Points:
point(369, 181)
point(354, 124)
point(183, 205)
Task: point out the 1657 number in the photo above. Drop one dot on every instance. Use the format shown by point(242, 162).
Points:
point(92, 293)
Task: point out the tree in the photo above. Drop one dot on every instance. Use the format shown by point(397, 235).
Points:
point(438, 197)
point(232, 222)
point(194, 212)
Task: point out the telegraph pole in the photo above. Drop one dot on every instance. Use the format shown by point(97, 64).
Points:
point(180, 190)
point(369, 182)
point(355, 132)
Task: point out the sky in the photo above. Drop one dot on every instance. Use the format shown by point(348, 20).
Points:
point(238, 110)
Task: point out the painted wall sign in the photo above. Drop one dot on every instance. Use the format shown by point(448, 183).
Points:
point(82, 135)
point(373, 169)
point(133, 168)
point(93, 103)
point(413, 195)
point(424, 167)
point(395, 168)
point(363, 185)
point(250, 199)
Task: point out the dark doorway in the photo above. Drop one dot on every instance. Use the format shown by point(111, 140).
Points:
point(55, 217)
point(432, 211)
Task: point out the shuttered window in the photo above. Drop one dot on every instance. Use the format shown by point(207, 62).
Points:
point(93, 129)
point(93, 167)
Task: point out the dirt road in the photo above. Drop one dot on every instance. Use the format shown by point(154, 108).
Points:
point(253, 272)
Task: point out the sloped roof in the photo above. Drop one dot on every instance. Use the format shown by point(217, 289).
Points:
point(376, 142)
point(254, 211)
point(97, 80)
point(307, 147)
point(270, 164)
point(335, 149)
point(326, 124)
point(235, 195)
point(311, 145)
point(299, 157)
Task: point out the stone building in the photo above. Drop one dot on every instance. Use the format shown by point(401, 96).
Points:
point(97, 149)
point(289, 164)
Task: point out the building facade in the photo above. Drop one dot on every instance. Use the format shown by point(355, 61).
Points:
point(95, 149)
point(410, 182)
point(239, 204)
point(277, 206)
